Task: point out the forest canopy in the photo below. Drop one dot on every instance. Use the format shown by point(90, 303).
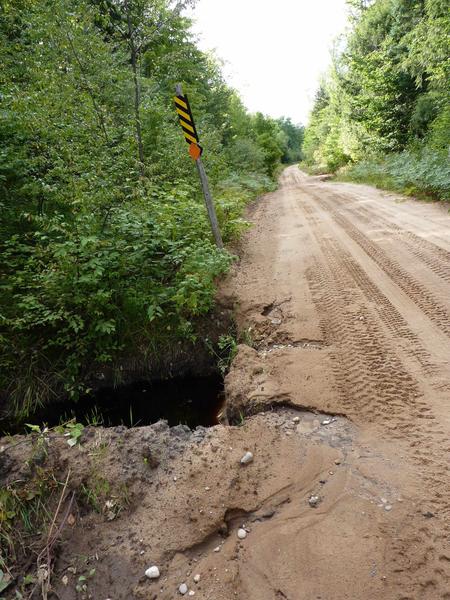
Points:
point(104, 238)
point(383, 109)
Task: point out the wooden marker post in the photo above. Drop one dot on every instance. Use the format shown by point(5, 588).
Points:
point(195, 150)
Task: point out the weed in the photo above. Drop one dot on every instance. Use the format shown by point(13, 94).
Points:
point(241, 421)
point(246, 337)
point(94, 417)
point(24, 513)
point(82, 582)
point(223, 352)
point(95, 491)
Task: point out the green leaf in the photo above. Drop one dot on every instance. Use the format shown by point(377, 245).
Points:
point(33, 427)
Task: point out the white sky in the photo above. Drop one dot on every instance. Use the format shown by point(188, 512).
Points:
point(275, 51)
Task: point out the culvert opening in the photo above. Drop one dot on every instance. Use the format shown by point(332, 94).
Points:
point(191, 401)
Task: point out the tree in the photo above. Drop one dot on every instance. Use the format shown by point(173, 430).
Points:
point(138, 24)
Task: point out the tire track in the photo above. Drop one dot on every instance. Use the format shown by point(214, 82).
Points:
point(435, 258)
point(417, 292)
point(388, 313)
point(375, 386)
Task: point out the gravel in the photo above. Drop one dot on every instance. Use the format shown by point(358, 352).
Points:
point(314, 501)
point(152, 572)
point(183, 589)
point(247, 458)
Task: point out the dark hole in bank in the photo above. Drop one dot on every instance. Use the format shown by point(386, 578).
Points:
point(191, 401)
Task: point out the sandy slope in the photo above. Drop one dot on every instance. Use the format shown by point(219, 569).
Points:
point(344, 295)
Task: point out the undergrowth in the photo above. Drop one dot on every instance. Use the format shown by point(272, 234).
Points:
point(37, 503)
point(425, 173)
point(79, 295)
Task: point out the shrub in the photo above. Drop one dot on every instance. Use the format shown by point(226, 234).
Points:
point(424, 172)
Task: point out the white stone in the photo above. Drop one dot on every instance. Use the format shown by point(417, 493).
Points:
point(197, 578)
point(387, 507)
point(313, 501)
point(152, 572)
point(242, 534)
point(216, 549)
point(183, 589)
point(191, 593)
point(296, 419)
point(247, 458)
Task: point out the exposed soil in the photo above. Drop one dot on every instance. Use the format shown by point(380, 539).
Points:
point(341, 393)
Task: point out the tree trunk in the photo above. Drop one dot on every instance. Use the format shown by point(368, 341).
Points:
point(137, 95)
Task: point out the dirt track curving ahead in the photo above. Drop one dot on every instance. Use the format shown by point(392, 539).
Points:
point(345, 293)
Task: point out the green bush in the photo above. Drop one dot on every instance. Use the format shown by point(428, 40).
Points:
point(106, 247)
point(77, 295)
point(425, 172)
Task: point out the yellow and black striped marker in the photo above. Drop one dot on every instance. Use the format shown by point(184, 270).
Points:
point(188, 126)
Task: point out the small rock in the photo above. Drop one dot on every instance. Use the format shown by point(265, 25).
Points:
point(242, 534)
point(183, 589)
point(197, 578)
point(327, 421)
point(152, 572)
point(387, 507)
point(216, 549)
point(428, 514)
point(337, 461)
point(247, 458)
point(191, 593)
point(65, 580)
point(296, 419)
point(314, 501)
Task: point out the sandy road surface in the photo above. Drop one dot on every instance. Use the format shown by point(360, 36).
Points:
point(345, 293)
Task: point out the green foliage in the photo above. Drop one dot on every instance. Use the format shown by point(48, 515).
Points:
point(423, 173)
point(74, 433)
point(24, 512)
point(227, 349)
point(385, 101)
point(106, 247)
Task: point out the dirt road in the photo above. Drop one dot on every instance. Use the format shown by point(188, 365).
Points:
point(344, 292)
point(341, 392)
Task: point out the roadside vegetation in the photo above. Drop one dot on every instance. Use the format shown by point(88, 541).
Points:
point(382, 113)
point(106, 249)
